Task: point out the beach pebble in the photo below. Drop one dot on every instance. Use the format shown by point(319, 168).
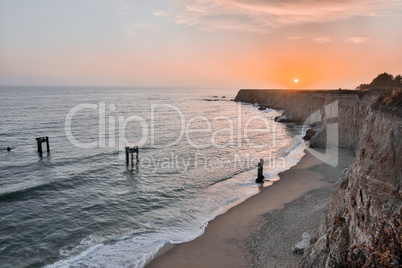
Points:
point(302, 245)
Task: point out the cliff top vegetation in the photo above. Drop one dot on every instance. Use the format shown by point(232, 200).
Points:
point(384, 80)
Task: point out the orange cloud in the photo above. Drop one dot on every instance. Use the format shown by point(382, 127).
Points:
point(263, 15)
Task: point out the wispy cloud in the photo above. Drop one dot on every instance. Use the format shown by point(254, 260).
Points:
point(161, 14)
point(357, 40)
point(140, 25)
point(264, 15)
point(294, 37)
point(322, 40)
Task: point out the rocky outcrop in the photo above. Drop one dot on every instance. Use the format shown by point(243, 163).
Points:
point(304, 243)
point(369, 123)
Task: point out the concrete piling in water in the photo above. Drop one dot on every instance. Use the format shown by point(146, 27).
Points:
point(127, 156)
point(47, 145)
point(131, 151)
point(39, 142)
point(260, 174)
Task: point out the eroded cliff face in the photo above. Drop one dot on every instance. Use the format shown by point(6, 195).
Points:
point(370, 123)
point(314, 108)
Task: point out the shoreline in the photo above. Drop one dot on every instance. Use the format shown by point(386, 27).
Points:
point(232, 239)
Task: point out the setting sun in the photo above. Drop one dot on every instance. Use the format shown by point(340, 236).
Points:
point(296, 80)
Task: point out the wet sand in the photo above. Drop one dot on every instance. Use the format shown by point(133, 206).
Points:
point(260, 231)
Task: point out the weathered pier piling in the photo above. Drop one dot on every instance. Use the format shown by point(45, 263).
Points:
point(131, 151)
point(39, 142)
point(260, 176)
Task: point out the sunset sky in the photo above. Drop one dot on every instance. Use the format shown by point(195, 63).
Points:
point(199, 43)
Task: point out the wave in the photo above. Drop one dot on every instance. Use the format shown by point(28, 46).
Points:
point(65, 182)
point(36, 190)
point(138, 248)
point(230, 177)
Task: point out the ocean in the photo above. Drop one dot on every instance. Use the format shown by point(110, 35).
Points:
point(81, 205)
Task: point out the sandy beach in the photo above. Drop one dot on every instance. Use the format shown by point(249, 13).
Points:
point(260, 231)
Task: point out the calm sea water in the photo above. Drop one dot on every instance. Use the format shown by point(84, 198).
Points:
point(81, 206)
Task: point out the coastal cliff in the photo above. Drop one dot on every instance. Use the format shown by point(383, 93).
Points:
point(369, 193)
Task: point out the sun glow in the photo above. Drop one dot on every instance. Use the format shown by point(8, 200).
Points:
point(296, 80)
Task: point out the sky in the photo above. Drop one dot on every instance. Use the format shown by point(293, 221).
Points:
point(199, 43)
